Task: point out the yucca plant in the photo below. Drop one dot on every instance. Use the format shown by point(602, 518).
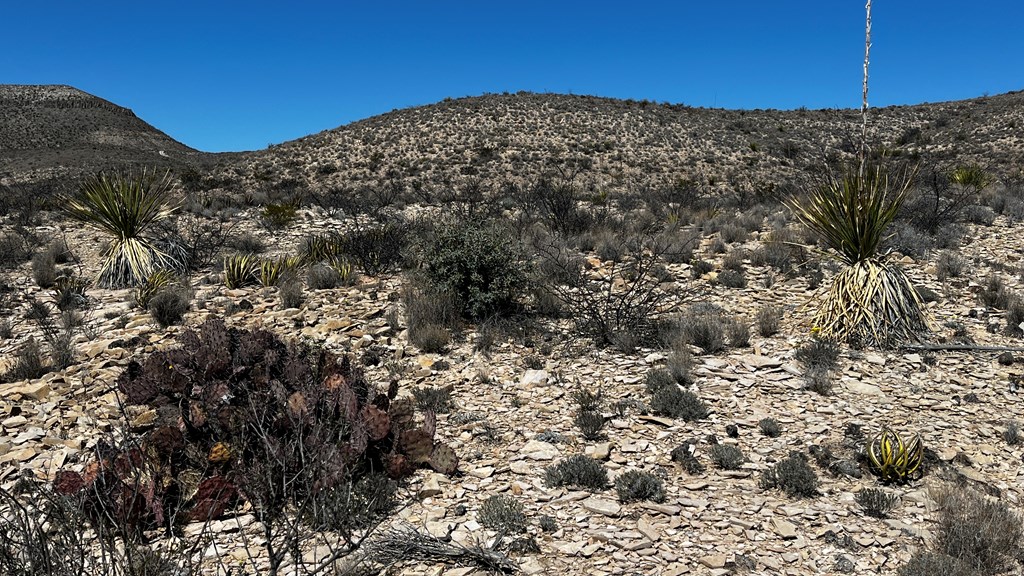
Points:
point(151, 285)
point(240, 270)
point(892, 459)
point(321, 247)
point(871, 302)
point(127, 207)
point(273, 271)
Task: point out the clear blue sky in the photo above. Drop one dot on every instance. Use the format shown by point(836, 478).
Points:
point(227, 75)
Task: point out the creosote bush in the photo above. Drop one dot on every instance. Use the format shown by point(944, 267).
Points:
point(638, 485)
point(578, 471)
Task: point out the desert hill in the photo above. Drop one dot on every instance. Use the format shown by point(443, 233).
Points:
point(52, 130)
point(625, 145)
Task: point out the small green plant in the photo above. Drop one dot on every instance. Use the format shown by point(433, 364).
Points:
point(274, 271)
point(668, 399)
point(637, 485)
point(169, 304)
point(700, 267)
point(578, 471)
point(818, 380)
point(590, 423)
point(818, 354)
point(278, 216)
point(1012, 433)
point(127, 208)
point(892, 459)
point(240, 270)
point(770, 427)
point(732, 279)
point(686, 455)
point(738, 333)
point(793, 475)
point(726, 456)
point(152, 284)
point(69, 292)
point(547, 524)
point(290, 293)
point(502, 513)
point(876, 503)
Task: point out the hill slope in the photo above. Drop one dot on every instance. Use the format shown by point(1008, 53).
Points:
point(51, 131)
point(626, 144)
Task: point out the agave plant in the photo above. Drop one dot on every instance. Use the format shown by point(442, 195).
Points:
point(871, 302)
point(275, 270)
point(240, 270)
point(127, 207)
point(892, 459)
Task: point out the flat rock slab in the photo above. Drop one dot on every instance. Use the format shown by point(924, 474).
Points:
point(601, 506)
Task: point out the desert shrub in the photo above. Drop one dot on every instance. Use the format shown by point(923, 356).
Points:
point(16, 246)
point(738, 333)
point(578, 471)
point(1012, 434)
point(703, 325)
point(944, 195)
point(437, 400)
point(30, 362)
point(502, 513)
point(793, 476)
point(6, 329)
point(246, 243)
point(726, 456)
point(197, 241)
point(876, 503)
point(769, 320)
point(44, 268)
point(910, 241)
point(782, 250)
point(274, 271)
point(276, 216)
point(980, 532)
point(994, 293)
point(430, 315)
point(170, 304)
point(731, 233)
point(590, 423)
point(659, 378)
point(679, 364)
point(322, 276)
point(818, 380)
point(128, 208)
point(637, 485)
point(616, 307)
point(674, 402)
point(547, 524)
point(818, 353)
point(735, 261)
point(478, 265)
point(926, 563)
point(152, 284)
point(700, 267)
point(770, 427)
point(732, 279)
point(376, 249)
point(981, 215)
point(686, 455)
point(290, 293)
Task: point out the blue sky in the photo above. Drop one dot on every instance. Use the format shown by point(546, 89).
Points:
point(226, 75)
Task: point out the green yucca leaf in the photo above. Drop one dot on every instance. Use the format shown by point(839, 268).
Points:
point(240, 270)
point(152, 284)
point(273, 271)
point(850, 213)
point(125, 207)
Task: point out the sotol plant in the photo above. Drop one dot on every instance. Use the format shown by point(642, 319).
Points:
point(127, 207)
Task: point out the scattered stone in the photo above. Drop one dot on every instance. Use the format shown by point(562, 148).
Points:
point(1006, 358)
point(601, 506)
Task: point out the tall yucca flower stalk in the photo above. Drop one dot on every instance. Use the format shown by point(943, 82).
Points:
point(871, 302)
point(126, 207)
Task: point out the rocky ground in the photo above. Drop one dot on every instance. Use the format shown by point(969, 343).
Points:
point(713, 523)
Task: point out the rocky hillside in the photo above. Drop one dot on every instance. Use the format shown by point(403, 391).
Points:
point(624, 144)
point(52, 131)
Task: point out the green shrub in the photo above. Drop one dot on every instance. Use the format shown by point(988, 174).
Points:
point(169, 305)
point(44, 268)
point(793, 476)
point(926, 563)
point(502, 513)
point(818, 354)
point(995, 294)
point(290, 293)
point(876, 503)
point(637, 485)
point(674, 402)
point(686, 455)
point(278, 216)
point(430, 315)
point(477, 264)
point(732, 279)
point(703, 325)
point(977, 531)
point(726, 456)
point(437, 400)
point(770, 427)
point(738, 333)
point(578, 471)
point(700, 268)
